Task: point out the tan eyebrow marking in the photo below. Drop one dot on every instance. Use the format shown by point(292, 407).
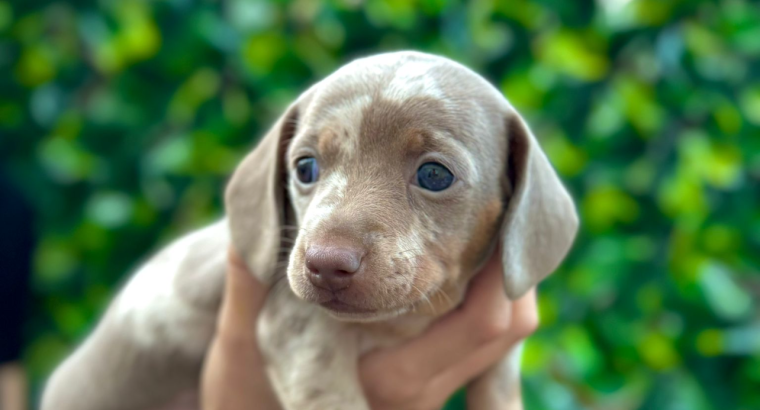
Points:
point(329, 143)
point(416, 140)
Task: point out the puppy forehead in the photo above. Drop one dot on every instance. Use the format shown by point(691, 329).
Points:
point(414, 79)
point(343, 124)
point(415, 86)
point(339, 126)
point(400, 102)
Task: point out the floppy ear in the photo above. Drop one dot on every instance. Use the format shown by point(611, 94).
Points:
point(257, 201)
point(540, 222)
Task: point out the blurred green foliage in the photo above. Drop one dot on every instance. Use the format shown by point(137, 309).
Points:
point(122, 119)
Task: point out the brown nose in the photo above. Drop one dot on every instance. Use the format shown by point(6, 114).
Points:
point(332, 267)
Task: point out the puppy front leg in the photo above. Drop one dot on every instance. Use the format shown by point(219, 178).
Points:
point(311, 357)
point(499, 387)
point(149, 346)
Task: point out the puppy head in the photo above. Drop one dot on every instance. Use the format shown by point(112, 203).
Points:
point(387, 184)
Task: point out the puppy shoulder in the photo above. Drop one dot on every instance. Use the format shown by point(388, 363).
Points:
point(175, 295)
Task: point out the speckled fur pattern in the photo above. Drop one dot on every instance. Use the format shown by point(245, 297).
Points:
point(370, 125)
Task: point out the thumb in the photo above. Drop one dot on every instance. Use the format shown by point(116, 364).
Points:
point(243, 298)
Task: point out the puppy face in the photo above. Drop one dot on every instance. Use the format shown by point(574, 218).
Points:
point(396, 197)
point(396, 172)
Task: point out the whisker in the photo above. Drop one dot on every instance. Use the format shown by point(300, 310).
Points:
point(423, 281)
point(407, 258)
point(409, 250)
point(424, 297)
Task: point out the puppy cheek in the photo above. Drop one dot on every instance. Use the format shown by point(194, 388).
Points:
point(444, 265)
point(429, 275)
point(487, 224)
point(431, 292)
point(412, 265)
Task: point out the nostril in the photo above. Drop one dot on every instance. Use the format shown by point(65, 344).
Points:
point(337, 262)
point(311, 266)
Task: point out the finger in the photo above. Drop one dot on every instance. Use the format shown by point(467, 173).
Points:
point(452, 379)
point(243, 298)
point(525, 319)
point(484, 316)
point(233, 377)
point(524, 322)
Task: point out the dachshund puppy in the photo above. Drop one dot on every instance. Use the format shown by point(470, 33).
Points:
point(367, 207)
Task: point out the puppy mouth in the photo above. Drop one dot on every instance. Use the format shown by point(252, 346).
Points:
point(339, 306)
point(349, 311)
point(357, 300)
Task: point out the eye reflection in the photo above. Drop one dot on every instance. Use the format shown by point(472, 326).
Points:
point(307, 170)
point(434, 177)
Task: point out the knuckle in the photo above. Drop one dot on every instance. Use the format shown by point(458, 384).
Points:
point(492, 327)
point(408, 393)
point(428, 403)
point(403, 387)
point(526, 324)
point(408, 373)
point(433, 399)
point(404, 392)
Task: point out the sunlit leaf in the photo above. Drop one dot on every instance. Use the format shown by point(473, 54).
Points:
point(36, 65)
point(573, 53)
point(658, 351)
point(261, 51)
point(727, 299)
point(606, 205)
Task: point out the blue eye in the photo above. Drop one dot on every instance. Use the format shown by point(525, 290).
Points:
point(307, 170)
point(434, 176)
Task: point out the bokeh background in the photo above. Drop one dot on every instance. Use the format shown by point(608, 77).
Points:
point(121, 120)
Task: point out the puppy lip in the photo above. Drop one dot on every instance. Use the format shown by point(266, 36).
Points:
point(342, 307)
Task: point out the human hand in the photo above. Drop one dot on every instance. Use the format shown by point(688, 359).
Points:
point(420, 374)
point(233, 375)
